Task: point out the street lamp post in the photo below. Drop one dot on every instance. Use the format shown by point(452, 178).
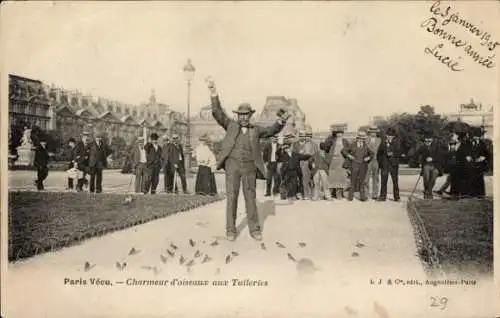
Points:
point(189, 72)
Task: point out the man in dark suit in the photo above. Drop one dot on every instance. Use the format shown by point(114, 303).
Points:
point(98, 160)
point(240, 156)
point(139, 160)
point(476, 163)
point(270, 156)
point(388, 155)
point(82, 150)
point(174, 162)
point(167, 179)
point(290, 171)
point(430, 156)
point(360, 155)
point(41, 162)
point(153, 164)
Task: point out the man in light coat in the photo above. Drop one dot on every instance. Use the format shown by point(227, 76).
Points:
point(373, 171)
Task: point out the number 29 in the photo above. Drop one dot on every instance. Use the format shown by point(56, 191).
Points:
point(440, 302)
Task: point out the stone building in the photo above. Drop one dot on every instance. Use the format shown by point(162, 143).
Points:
point(474, 114)
point(204, 123)
point(295, 123)
point(71, 112)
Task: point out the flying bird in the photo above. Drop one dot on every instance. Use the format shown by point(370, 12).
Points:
point(88, 266)
point(182, 260)
point(197, 254)
point(263, 246)
point(133, 251)
point(190, 263)
point(290, 257)
point(302, 244)
point(163, 258)
point(172, 245)
point(121, 266)
point(234, 253)
point(214, 243)
point(192, 243)
point(171, 254)
point(206, 259)
point(228, 259)
point(354, 254)
point(280, 245)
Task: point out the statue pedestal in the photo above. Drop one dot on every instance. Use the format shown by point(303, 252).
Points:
point(25, 156)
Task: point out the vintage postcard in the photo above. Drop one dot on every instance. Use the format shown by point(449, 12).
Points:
point(249, 159)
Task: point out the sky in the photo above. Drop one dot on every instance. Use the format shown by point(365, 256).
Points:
point(343, 61)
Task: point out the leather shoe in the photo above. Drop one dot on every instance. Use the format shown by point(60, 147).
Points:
point(256, 236)
point(381, 199)
point(231, 237)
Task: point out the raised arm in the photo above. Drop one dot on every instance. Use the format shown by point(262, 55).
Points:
point(271, 130)
point(218, 113)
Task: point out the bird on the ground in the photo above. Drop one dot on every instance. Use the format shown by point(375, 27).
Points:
point(214, 243)
point(228, 259)
point(181, 260)
point(359, 244)
point(133, 251)
point(280, 245)
point(192, 243)
point(147, 267)
point(172, 245)
point(121, 266)
point(163, 258)
point(88, 266)
point(234, 253)
point(190, 263)
point(290, 257)
point(206, 259)
point(354, 254)
point(170, 253)
point(198, 253)
point(263, 246)
point(302, 244)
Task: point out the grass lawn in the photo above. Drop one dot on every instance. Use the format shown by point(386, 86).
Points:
point(461, 231)
point(45, 221)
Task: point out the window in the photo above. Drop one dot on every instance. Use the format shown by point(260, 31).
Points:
point(155, 116)
point(118, 109)
point(127, 111)
point(134, 112)
point(149, 114)
point(110, 108)
point(142, 114)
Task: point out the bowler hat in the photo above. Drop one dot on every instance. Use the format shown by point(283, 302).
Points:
point(373, 129)
point(391, 131)
point(244, 108)
point(154, 136)
point(361, 134)
point(71, 140)
point(476, 131)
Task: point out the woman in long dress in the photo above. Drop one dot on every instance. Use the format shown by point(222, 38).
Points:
point(337, 175)
point(205, 179)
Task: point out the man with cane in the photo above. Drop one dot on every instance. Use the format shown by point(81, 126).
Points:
point(430, 157)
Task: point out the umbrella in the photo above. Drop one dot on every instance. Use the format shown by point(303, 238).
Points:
point(457, 126)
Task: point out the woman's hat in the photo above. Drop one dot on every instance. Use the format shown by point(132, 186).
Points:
point(204, 137)
point(244, 108)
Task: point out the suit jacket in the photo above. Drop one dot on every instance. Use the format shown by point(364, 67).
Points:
point(82, 153)
point(329, 147)
point(266, 153)
point(173, 154)
point(434, 151)
point(374, 144)
point(153, 157)
point(476, 151)
point(41, 157)
point(359, 156)
point(233, 129)
point(454, 159)
point(291, 164)
point(136, 156)
point(382, 155)
point(98, 156)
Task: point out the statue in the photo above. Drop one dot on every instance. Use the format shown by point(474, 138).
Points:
point(26, 140)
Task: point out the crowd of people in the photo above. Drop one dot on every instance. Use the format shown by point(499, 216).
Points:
point(337, 167)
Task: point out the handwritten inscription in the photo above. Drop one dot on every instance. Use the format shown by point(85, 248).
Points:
point(440, 302)
point(443, 16)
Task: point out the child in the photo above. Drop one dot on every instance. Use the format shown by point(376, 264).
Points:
point(74, 175)
point(320, 175)
point(290, 170)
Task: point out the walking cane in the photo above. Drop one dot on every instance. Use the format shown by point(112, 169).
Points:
point(415, 187)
